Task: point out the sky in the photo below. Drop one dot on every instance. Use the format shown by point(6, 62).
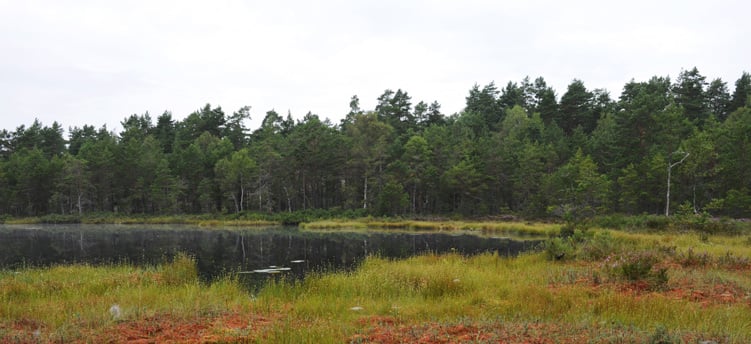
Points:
point(81, 62)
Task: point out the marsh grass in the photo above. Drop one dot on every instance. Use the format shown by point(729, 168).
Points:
point(198, 220)
point(513, 228)
point(67, 302)
point(530, 288)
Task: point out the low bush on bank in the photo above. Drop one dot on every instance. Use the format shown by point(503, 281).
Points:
point(701, 222)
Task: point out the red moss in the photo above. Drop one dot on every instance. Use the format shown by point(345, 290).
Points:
point(229, 327)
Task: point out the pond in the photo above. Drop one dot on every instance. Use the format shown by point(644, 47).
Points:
point(253, 253)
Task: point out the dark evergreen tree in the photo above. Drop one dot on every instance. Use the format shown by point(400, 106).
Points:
point(689, 94)
point(718, 99)
point(484, 102)
point(576, 109)
point(78, 136)
point(165, 131)
point(741, 94)
point(394, 108)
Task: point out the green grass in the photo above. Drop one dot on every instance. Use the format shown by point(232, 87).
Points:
point(68, 301)
point(531, 288)
point(584, 292)
point(513, 228)
point(487, 287)
point(197, 220)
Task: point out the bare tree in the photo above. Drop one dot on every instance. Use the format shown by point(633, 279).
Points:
point(670, 169)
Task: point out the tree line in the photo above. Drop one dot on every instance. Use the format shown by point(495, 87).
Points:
point(516, 149)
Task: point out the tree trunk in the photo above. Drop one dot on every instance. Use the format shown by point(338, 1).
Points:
point(414, 198)
point(667, 194)
point(80, 206)
point(242, 196)
point(234, 199)
point(289, 200)
point(365, 194)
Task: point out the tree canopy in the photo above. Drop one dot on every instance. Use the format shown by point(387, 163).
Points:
point(513, 149)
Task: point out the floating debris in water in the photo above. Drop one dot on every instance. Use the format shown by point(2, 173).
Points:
point(356, 308)
point(267, 271)
point(270, 270)
point(456, 280)
point(297, 261)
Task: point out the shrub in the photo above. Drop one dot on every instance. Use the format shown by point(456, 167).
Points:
point(655, 222)
point(733, 262)
point(638, 266)
point(693, 259)
point(662, 336)
point(558, 249)
point(59, 219)
point(599, 246)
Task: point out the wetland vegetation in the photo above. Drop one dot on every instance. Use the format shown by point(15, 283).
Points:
point(594, 285)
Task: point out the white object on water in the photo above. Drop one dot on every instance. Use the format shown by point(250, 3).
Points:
point(297, 261)
point(356, 308)
point(266, 271)
point(274, 270)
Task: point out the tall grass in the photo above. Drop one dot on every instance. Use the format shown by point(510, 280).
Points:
point(488, 287)
point(70, 301)
point(532, 288)
point(580, 291)
point(514, 228)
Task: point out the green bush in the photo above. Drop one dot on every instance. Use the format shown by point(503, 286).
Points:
point(694, 259)
point(662, 336)
point(57, 219)
point(638, 266)
point(600, 245)
point(558, 249)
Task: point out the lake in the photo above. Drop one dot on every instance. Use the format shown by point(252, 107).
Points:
point(252, 253)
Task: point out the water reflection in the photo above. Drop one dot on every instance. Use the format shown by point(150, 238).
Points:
point(222, 251)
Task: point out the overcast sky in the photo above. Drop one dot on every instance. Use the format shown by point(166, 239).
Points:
point(97, 62)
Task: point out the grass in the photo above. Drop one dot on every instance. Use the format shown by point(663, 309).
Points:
point(245, 218)
point(590, 294)
point(69, 303)
point(148, 220)
point(514, 228)
point(486, 288)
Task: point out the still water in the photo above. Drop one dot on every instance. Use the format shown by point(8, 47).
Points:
point(221, 251)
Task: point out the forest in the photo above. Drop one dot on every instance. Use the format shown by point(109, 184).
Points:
point(662, 147)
